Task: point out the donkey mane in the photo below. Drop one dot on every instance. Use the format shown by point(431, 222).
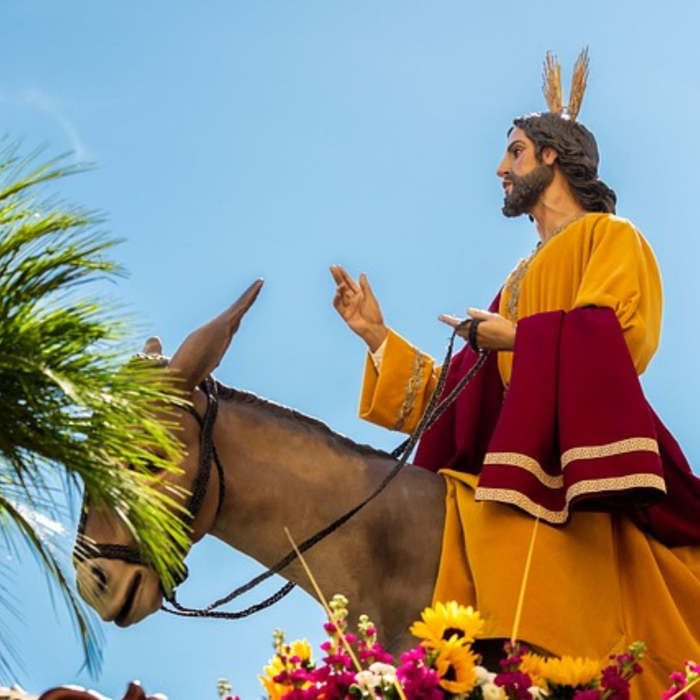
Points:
point(312, 424)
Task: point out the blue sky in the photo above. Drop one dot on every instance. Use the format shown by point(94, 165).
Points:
point(236, 140)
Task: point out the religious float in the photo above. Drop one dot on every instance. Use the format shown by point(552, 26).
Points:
point(554, 472)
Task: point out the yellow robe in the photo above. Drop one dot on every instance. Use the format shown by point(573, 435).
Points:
point(598, 583)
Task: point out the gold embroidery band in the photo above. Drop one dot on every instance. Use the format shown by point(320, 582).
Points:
point(515, 498)
point(558, 517)
point(611, 449)
point(516, 459)
point(411, 390)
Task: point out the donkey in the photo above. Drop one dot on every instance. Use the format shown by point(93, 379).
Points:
point(281, 468)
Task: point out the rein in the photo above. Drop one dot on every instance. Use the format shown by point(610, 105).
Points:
point(208, 454)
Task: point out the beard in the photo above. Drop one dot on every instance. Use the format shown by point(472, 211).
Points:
point(526, 190)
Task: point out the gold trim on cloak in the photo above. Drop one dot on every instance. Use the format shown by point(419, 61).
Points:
point(556, 481)
point(516, 459)
point(559, 517)
point(611, 449)
point(411, 390)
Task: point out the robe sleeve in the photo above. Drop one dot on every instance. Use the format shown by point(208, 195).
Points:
point(622, 274)
point(395, 395)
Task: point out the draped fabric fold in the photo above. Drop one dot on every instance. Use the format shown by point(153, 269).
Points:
point(460, 438)
point(573, 430)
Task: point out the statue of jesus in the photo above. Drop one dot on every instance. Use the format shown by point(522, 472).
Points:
point(555, 427)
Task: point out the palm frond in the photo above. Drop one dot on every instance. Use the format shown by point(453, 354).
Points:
point(16, 523)
point(74, 405)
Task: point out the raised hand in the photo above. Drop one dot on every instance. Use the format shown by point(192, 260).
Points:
point(358, 307)
point(493, 333)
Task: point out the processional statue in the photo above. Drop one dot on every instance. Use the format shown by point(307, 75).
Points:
point(554, 428)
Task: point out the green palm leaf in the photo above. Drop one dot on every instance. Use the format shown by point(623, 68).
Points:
point(75, 407)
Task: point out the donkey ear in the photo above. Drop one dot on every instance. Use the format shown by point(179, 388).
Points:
point(153, 346)
point(203, 349)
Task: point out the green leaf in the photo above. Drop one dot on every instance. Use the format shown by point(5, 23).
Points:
point(74, 405)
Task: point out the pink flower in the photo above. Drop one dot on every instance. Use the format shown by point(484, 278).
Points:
point(337, 685)
point(419, 682)
point(612, 680)
point(299, 676)
point(417, 654)
point(374, 652)
point(282, 677)
point(672, 691)
point(678, 681)
point(338, 658)
point(515, 683)
point(313, 692)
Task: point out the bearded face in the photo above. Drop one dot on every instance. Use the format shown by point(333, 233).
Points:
point(523, 191)
point(525, 173)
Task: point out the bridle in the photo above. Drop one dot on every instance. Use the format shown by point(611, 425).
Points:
point(208, 455)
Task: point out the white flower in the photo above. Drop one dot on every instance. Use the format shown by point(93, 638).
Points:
point(483, 675)
point(537, 693)
point(385, 672)
point(491, 691)
point(378, 675)
point(366, 680)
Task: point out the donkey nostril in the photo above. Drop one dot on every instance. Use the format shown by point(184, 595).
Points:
point(100, 578)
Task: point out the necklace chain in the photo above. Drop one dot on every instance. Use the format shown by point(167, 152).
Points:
point(515, 279)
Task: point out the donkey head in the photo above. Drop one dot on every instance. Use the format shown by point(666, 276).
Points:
point(113, 579)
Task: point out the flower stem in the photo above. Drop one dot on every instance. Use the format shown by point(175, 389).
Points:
point(687, 687)
point(331, 616)
point(526, 574)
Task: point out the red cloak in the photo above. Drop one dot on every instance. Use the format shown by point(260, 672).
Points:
point(572, 431)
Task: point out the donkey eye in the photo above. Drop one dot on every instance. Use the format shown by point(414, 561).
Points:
point(148, 466)
point(151, 467)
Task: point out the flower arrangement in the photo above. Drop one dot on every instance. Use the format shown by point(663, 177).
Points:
point(444, 665)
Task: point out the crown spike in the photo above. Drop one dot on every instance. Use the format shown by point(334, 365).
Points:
point(551, 83)
point(578, 84)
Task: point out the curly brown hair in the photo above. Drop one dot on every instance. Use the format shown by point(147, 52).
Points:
point(577, 156)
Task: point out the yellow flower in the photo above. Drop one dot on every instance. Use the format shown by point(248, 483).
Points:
point(532, 665)
point(302, 649)
point(446, 621)
point(567, 670)
point(455, 666)
point(299, 648)
point(274, 690)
